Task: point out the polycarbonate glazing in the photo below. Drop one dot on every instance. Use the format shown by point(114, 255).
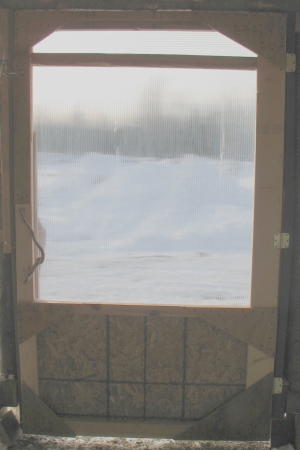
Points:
point(142, 42)
point(145, 184)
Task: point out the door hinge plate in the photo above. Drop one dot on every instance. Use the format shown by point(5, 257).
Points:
point(277, 386)
point(281, 240)
point(290, 62)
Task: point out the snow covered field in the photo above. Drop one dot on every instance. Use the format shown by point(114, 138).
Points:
point(144, 230)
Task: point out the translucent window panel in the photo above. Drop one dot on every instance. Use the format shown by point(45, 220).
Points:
point(145, 184)
point(143, 42)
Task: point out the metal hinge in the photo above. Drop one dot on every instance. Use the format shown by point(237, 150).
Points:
point(290, 62)
point(281, 240)
point(277, 385)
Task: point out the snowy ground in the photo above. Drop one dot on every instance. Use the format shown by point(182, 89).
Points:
point(145, 230)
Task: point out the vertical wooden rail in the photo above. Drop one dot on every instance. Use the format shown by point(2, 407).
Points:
point(268, 183)
point(23, 193)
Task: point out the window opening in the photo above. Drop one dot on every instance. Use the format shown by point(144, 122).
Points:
point(145, 181)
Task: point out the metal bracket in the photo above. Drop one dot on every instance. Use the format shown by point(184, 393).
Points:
point(281, 240)
point(277, 385)
point(290, 62)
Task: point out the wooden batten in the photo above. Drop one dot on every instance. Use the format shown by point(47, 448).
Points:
point(256, 327)
point(137, 20)
point(129, 429)
point(123, 60)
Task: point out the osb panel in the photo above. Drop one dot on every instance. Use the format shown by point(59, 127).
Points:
point(126, 400)
point(202, 400)
point(126, 348)
point(75, 397)
point(164, 349)
point(213, 356)
point(74, 348)
point(163, 401)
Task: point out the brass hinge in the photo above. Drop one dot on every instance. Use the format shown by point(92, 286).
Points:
point(277, 385)
point(281, 240)
point(290, 62)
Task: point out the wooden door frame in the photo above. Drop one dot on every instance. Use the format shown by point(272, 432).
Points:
point(32, 317)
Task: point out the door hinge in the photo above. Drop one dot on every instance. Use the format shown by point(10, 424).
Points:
point(281, 240)
point(277, 385)
point(290, 62)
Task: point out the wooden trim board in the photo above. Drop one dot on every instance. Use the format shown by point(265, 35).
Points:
point(123, 60)
point(268, 183)
point(256, 327)
point(129, 429)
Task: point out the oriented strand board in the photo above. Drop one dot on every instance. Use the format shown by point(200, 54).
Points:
point(165, 341)
point(163, 401)
point(126, 400)
point(244, 418)
point(74, 348)
point(258, 365)
point(214, 356)
point(75, 397)
point(126, 356)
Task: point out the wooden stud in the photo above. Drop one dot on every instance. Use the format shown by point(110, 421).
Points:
point(268, 184)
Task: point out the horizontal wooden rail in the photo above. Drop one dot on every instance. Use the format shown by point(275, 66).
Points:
point(131, 60)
